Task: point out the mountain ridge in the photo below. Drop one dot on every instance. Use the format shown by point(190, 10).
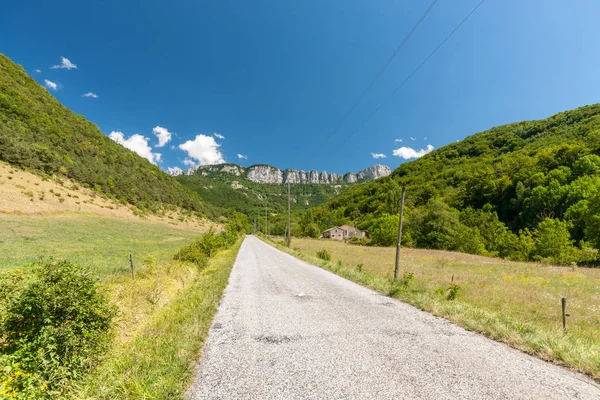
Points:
point(263, 173)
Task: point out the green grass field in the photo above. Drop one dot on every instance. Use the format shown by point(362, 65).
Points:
point(100, 242)
point(514, 302)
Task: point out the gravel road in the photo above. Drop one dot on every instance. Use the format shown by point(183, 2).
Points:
point(289, 330)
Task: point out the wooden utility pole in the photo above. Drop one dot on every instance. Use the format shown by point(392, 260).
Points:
point(399, 234)
point(289, 221)
point(266, 219)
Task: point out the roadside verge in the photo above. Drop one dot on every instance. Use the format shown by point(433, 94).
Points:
point(159, 362)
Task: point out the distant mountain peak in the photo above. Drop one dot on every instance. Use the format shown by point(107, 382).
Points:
point(262, 173)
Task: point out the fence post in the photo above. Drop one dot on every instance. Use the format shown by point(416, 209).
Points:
point(131, 262)
point(564, 314)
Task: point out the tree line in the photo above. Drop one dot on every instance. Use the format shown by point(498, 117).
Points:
point(525, 191)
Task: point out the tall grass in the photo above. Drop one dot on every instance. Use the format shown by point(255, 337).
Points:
point(158, 362)
point(516, 303)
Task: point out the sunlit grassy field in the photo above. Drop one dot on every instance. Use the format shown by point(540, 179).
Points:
point(100, 242)
point(518, 303)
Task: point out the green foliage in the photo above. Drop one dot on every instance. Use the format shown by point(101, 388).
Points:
point(453, 291)
point(355, 240)
point(488, 193)
point(400, 284)
point(208, 244)
point(435, 226)
point(553, 241)
point(54, 325)
point(385, 230)
point(40, 134)
point(324, 255)
point(250, 198)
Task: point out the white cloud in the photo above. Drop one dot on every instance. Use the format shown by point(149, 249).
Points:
point(398, 141)
point(203, 149)
point(407, 152)
point(174, 171)
point(189, 162)
point(162, 134)
point(138, 144)
point(218, 136)
point(64, 63)
point(378, 155)
point(242, 156)
point(425, 138)
point(90, 94)
point(413, 139)
point(50, 84)
point(38, 71)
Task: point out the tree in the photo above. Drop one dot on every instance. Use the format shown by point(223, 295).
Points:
point(435, 226)
point(553, 241)
point(385, 230)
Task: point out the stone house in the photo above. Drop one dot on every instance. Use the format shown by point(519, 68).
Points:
point(343, 232)
point(336, 233)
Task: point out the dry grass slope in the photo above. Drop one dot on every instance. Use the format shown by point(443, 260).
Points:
point(22, 192)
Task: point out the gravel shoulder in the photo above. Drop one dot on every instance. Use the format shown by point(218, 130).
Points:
point(289, 330)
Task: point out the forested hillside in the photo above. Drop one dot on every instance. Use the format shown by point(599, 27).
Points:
point(237, 194)
point(528, 190)
point(40, 134)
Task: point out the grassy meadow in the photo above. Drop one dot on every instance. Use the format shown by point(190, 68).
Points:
point(514, 302)
point(164, 313)
point(97, 241)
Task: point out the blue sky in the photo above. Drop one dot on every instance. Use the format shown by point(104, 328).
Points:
point(274, 78)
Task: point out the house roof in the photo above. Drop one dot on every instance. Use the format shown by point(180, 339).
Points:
point(342, 227)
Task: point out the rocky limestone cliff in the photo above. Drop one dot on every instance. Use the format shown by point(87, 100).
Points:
point(264, 174)
point(374, 172)
point(350, 177)
point(268, 174)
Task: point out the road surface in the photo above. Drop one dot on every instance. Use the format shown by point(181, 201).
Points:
point(289, 330)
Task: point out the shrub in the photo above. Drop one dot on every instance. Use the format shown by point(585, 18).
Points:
point(204, 246)
point(324, 255)
point(453, 291)
point(312, 230)
point(54, 325)
point(355, 240)
point(396, 286)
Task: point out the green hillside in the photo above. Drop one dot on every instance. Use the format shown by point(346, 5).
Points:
point(252, 199)
point(528, 190)
point(40, 134)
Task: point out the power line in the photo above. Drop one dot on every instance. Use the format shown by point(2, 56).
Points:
point(381, 71)
point(412, 74)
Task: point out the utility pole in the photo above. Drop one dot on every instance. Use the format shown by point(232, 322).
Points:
point(289, 223)
point(399, 234)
